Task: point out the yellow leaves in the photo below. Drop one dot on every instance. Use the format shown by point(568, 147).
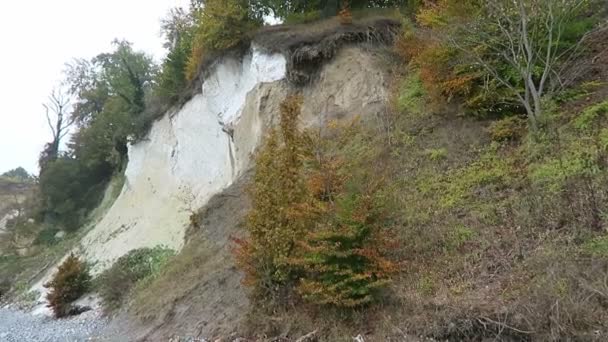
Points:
point(307, 227)
point(222, 25)
point(432, 15)
point(194, 61)
point(280, 212)
point(459, 85)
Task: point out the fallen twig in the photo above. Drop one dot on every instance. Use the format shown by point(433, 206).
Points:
point(308, 337)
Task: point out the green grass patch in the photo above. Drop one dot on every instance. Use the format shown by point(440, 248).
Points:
point(590, 116)
point(597, 247)
point(411, 94)
point(436, 154)
point(133, 269)
point(491, 170)
point(459, 236)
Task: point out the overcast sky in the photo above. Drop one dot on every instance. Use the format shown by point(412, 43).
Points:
point(37, 37)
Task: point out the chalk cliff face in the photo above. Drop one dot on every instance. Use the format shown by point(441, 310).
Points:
point(190, 155)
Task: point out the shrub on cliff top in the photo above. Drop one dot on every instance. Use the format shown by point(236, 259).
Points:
point(222, 24)
point(71, 281)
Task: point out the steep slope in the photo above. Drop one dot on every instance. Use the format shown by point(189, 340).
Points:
point(200, 294)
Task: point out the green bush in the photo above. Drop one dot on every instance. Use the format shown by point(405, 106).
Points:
point(47, 236)
point(411, 94)
point(71, 281)
point(508, 129)
point(591, 116)
point(129, 270)
point(342, 260)
point(598, 247)
point(69, 190)
point(303, 18)
point(436, 154)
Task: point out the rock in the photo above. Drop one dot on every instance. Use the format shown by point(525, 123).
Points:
point(60, 235)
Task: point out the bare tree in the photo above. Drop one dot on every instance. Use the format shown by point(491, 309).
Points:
point(58, 119)
point(526, 35)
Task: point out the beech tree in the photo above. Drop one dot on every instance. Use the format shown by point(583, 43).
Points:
point(527, 36)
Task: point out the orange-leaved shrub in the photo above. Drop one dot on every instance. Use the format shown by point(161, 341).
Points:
point(444, 70)
point(345, 15)
point(278, 218)
point(316, 225)
point(343, 258)
point(71, 281)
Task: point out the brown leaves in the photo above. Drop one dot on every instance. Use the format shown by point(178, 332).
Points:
point(70, 282)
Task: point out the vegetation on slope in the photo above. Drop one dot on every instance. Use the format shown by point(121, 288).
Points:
point(316, 223)
point(71, 281)
point(476, 208)
point(495, 215)
point(133, 269)
point(499, 212)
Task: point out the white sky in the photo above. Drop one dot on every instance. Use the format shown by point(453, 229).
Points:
point(37, 37)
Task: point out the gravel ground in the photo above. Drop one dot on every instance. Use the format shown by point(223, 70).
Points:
point(17, 326)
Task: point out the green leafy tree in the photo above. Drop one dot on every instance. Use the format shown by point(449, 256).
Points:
point(68, 191)
point(110, 94)
point(178, 28)
point(343, 259)
point(128, 74)
point(19, 174)
point(521, 45)
point(122, 74)
point(111, 91)
point(327, 8)
point(343, 256)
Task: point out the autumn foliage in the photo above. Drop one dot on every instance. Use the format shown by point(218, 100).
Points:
point(70, 282)
point(342, 257)
point(444, 71)
point(316, 226)
point(345, 15)
point(278, 193)
point(222, 24)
